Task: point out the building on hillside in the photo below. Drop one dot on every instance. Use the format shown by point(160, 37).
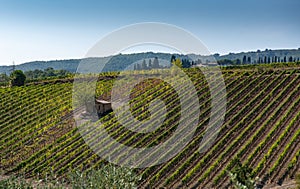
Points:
point(102, 107)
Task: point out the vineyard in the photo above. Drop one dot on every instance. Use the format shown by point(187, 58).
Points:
point(261, 129)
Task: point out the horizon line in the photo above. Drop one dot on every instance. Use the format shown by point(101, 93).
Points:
point(239, 52)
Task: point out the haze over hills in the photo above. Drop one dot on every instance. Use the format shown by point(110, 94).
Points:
point(121, 61)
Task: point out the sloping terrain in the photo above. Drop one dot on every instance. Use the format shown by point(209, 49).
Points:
point(261, 128)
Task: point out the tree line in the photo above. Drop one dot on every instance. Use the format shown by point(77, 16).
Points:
point(18, 77)
point(260, 60)
point(48, 72)
point(182, 63)
point(149, 66)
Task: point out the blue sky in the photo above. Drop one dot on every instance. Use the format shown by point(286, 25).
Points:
point(61, 29)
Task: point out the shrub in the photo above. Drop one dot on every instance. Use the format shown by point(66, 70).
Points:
point(108, 176)
point(17, 78)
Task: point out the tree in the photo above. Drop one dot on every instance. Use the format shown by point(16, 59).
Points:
point(240, 176)
point(17, 78)
point(259, 60)
point(173, 58)
point(155, 63)
point(284, 59)
point(49, 72)
point(4, 77)
point(249, 60)
point(290, 59)
point(244, 59)
point(186, 63)
point(265, 60)
point(199, 61)
point(225, 62)
point(177, 63)
point(216, 55)
point(38, 73)
point(144, 65)
point(150, 66)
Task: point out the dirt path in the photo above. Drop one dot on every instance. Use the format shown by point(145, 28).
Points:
point(286, 185)
point(37, 184)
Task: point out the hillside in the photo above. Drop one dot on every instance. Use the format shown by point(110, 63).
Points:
point(261, 128)
point(115, 63)
point(121, 61)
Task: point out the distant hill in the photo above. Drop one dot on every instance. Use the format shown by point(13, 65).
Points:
point(70, 65)
point(121, 61)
